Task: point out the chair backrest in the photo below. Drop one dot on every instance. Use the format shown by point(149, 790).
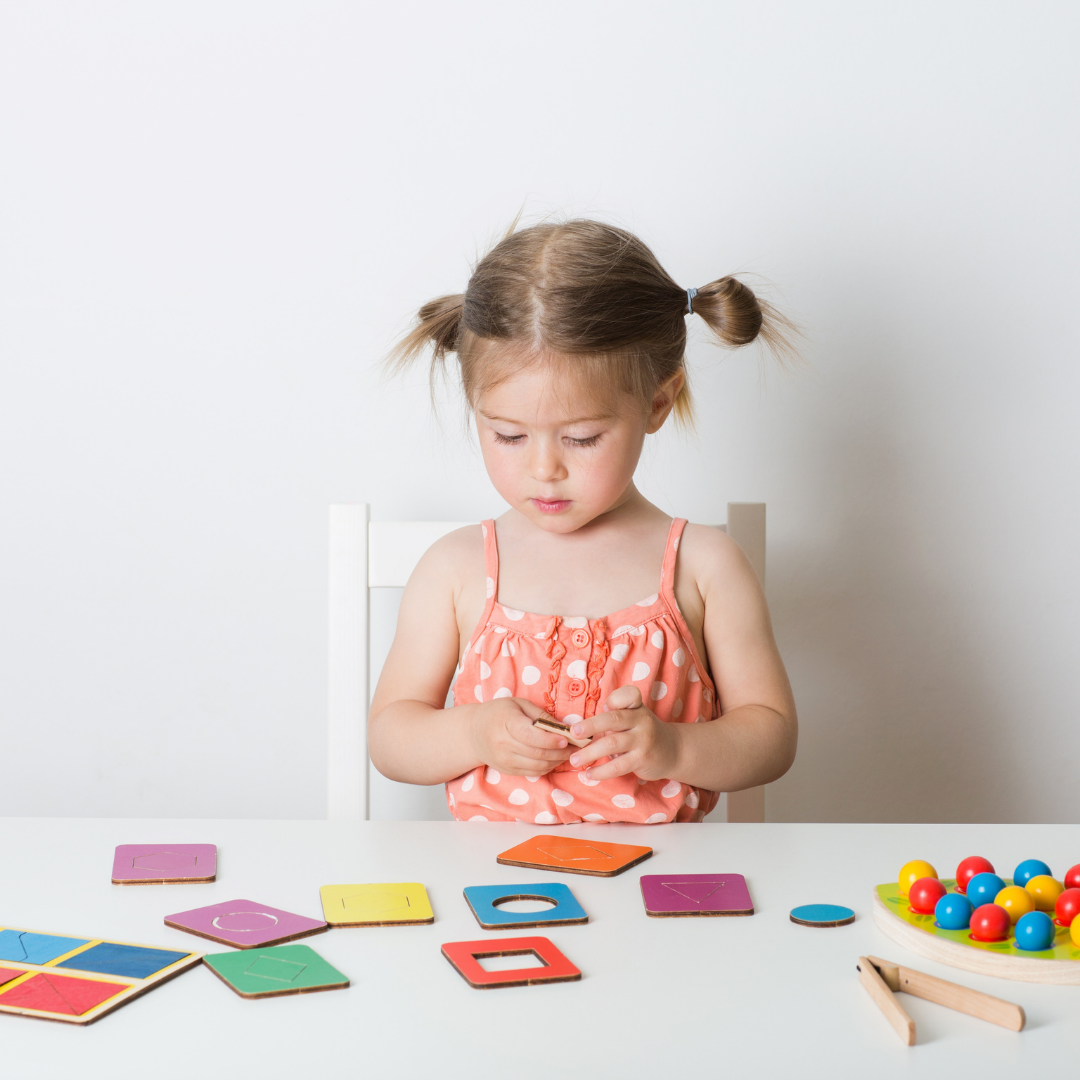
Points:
point(365, 555)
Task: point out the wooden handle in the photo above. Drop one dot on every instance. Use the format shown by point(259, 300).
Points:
point(951, 995)
point(885, 1001)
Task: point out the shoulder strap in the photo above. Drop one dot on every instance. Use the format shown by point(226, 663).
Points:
point(491, 564)
point(671, 553)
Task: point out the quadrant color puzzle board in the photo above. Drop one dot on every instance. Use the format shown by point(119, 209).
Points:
point(244, 924)
point(402, 903)
point(79, 979)
point(164, 864)
point(674, 895)
point(275, 972)
point(1059, 964)
point(574, 856)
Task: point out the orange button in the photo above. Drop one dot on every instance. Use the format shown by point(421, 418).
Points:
point(575, 687)
point(580, 638)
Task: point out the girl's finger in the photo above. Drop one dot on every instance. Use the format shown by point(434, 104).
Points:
point(609, 745)
point(619, 766)
point(626, 697)
point(609, 721)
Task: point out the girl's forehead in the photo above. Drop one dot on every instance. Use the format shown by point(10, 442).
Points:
point(551, 393)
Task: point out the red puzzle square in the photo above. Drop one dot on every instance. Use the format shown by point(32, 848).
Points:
point(464, 955)
point(60, 994)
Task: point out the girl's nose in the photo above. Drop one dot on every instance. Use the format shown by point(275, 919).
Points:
point(546, 464)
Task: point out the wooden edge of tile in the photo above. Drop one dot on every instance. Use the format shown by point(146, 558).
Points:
point(335, 924)
point(697, 914)
point(166, 881)
point(822, 925)
point(287, 992)
point(257, 945)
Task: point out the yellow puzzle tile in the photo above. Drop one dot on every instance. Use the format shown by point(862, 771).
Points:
point(401, 903)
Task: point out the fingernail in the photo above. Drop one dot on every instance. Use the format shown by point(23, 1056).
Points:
point(573, 759)
point(562, 744)
point(578, 729)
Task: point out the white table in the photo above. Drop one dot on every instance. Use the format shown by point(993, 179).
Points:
point(679, 998)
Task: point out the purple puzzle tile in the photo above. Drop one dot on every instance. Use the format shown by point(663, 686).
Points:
point(696, 894)
point(160, 864)
point(244, 924)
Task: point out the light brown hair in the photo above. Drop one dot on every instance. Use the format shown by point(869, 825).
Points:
point(592, 298)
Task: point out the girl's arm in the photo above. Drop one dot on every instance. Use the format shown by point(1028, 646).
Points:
point(411, 736)
point(753, 742)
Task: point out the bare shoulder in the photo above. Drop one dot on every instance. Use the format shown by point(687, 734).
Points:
point(712, 558)
point(454, 558)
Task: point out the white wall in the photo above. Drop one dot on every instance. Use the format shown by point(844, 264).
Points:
point(216, 217)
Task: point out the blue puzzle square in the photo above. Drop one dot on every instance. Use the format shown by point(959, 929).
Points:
point(485, 900)
point(131, 961)
point(29, 948)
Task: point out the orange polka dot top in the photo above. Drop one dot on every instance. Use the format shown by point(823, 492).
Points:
point(569, 666)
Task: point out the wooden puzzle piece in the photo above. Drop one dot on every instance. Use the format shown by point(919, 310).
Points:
point(574, 856)
point(680, 895)
point(398, 904)
point(131, 961)
point(465, 957)
point(484, 900)
point(244, 924)
point(25, 947)
point(826, 915)
point(68, 986)
point(556, 727)
point(275, 972)
point(173, 864)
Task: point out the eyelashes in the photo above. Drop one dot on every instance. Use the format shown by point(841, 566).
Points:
point(514, 440)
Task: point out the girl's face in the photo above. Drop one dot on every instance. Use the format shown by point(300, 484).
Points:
point(555, 455)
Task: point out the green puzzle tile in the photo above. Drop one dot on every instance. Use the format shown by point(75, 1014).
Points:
point(283, 969)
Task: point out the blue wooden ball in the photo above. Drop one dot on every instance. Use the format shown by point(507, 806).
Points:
point(983, 889)
point(1034, 931)
point(1028, 869)
point(953, 912)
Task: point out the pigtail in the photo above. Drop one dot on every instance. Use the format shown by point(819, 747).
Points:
point(737, 317)
point(438, 328)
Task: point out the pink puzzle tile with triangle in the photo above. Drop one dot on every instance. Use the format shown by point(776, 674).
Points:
point(667, 895)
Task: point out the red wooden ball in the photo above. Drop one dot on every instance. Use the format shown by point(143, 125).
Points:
point(1072, 878)
point(1067, 907)
point(924, 895)
point(968, 868)
point(990, 923)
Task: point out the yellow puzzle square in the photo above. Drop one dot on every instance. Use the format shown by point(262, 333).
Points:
point(402, 903)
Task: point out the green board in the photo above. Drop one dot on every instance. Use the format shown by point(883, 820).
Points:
point(283, 969)
point(1063, 948)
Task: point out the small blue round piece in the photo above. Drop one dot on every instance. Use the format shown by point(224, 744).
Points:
point(822, 915)
point(1028, 869)
point(953, 912)
point(983, 888)
point(1035, 931)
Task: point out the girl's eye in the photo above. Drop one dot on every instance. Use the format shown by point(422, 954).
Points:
point(512, 440)
point(592, 440)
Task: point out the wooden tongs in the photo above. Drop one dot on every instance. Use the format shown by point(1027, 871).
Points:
point(883, 979)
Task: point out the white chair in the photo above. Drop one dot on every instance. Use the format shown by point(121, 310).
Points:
point(367, 555)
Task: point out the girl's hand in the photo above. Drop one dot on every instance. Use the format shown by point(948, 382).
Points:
point(503, 737)
point(631, 734)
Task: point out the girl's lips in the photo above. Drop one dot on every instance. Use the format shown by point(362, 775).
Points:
point(552, 506)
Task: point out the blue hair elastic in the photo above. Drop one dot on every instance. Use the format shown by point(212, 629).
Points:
point(690, 294)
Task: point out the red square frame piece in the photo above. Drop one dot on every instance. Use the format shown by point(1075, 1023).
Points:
point(465, 957)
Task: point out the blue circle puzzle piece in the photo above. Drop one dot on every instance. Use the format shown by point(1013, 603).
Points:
point(484, 900)
point(822, 915)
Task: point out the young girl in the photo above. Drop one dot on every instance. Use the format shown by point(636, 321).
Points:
point(649, 637)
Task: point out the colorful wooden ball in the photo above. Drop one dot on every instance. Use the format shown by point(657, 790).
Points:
point(1028, 869)
point(912, 871)
point(1074, 932)
point(924, 894)
point(983, 888)
point(953, 912)
point(1067, 907)
point(1016, 901)
point(990, 923)
point(1044, 891)
point(1072, 878)
point(1035, 931)
point(969, 867)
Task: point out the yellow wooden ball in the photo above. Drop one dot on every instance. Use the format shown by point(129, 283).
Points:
point(1016, 900)
point(1074, 931)
point(912, 871)
point(1044, 891)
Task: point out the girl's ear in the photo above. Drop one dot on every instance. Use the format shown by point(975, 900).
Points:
point(664, 401)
